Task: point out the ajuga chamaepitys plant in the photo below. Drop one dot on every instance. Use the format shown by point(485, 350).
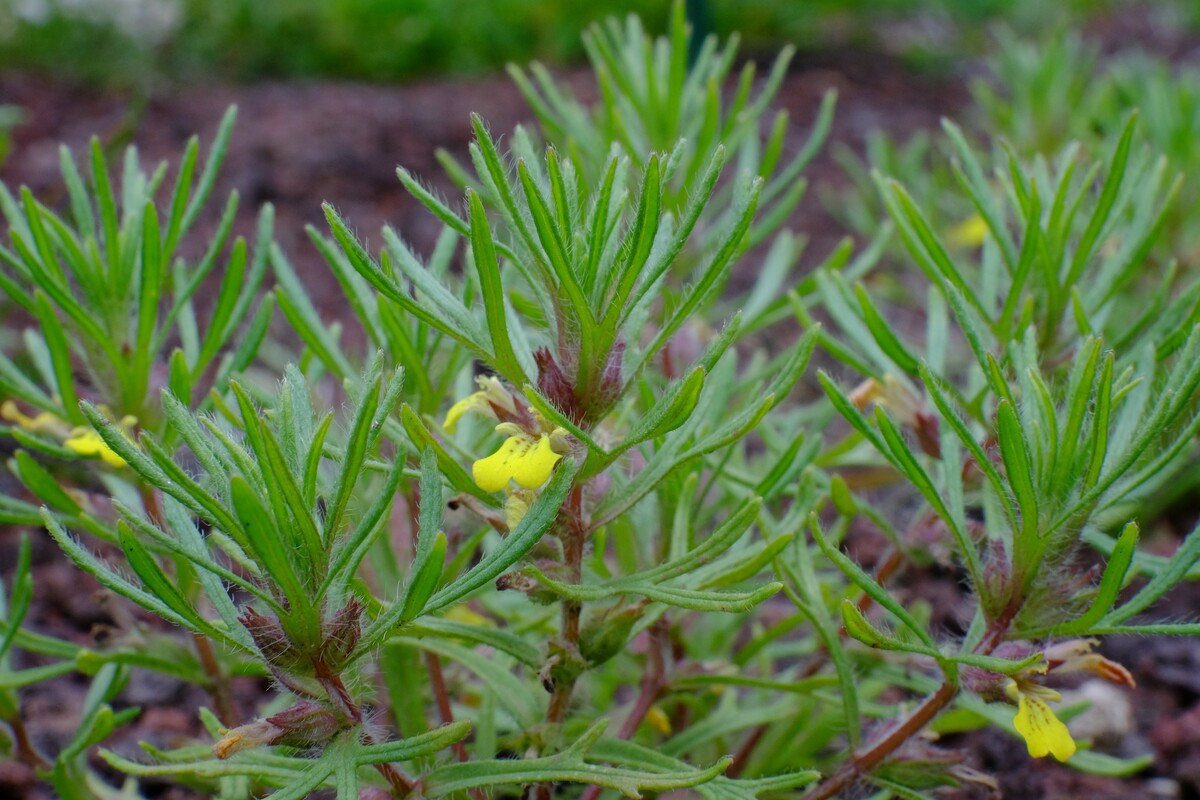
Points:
point(567, 527)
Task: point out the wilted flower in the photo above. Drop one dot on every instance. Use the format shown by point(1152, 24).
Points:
point(903, 405)
point(303, 725)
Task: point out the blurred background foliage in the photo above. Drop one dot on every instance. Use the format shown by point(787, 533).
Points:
point(122, 41)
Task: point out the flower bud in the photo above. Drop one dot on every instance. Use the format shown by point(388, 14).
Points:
point(305, 724)
point(341, 634)
point(271, 640)
point(555, 387)
point(604, 635)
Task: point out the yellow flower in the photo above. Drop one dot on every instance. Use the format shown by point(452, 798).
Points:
point(476, 402)
point(1044, 733)
point(491, 395)
point(521, 458)
point(86, 442)
point(528, 454)
point(969, 233)
point(81, 440)
point(44, 422)
point(516, 506)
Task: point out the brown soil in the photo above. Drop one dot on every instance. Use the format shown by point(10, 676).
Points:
point(296, 145)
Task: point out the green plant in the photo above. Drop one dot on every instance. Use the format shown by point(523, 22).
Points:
point(568, 526)
point(653, 101)
point(1044, 95)
point(1068, 414)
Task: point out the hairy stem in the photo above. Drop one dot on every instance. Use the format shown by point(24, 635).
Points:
point(219, 682)
point(886, 744)
point(574, 535)
point(25, 752)
point(654, 682)
point(891, 561)
point(442, 699)
point(402, 785)
point(573, 540)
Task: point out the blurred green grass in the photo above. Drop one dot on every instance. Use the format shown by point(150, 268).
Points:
point(131, 41)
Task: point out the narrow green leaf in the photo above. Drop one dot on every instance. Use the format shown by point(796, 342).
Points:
point(426, 574)
point(39, 481)
point(1114, 176)
point(488, 268)
point(413, 747)
point(60, 355)
point(222, 316)
point(421, 438)
point(1111, 583)
point(355, 451)
point(1014, 451)
point(520, 541)
point(881, 330)
point(868, 584)
point(862, 630)
point(157, 582)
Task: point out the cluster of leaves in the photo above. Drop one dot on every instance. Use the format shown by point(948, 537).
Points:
point(660, 578)
point(1042, 95)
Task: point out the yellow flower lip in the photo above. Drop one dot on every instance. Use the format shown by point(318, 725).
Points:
point(86, 442)
point(521, 458)
point(526, 457)
point(476, 402)
point(1044, 733)
point(44, 422)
